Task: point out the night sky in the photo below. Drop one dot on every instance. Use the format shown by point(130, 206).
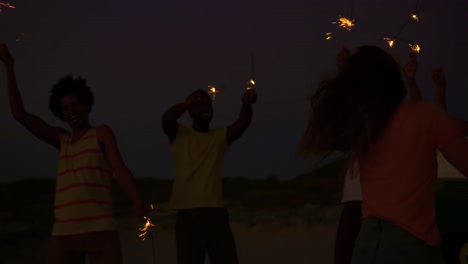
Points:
point(141, 57)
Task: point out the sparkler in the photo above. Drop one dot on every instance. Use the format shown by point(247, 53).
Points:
point(251, 83)
point(212, 91)
point(390, 41)
point(7, 5)
point(144, 230)
point(344, 22)
point(414, 17)
point(415, 47)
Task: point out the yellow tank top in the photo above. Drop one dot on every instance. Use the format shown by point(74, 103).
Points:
point(199, 162)
point(83, 193)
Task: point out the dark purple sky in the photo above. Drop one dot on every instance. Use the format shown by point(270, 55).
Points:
point(140, 57)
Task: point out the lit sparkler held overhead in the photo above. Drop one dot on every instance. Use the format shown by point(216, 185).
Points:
point(415, 47)
point(251, 83)
point(212, 91)
point(390, 41)
point(344, 22)
point(7, 5)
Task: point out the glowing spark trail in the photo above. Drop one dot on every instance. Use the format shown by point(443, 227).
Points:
point(145, 228)
point(344, 22)
point(7, 5)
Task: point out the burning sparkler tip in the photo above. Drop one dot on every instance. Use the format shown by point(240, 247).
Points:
point(415, 47)
point(212, 91)
point(144, 230)
point(344, 22)
point(390, 41)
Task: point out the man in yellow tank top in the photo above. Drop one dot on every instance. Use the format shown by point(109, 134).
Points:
point(88, 157)
point(202, 225)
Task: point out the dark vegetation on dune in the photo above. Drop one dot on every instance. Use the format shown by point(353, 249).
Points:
point(31, 201)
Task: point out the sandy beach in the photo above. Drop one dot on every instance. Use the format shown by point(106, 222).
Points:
point(263, 244)
point(290, 241)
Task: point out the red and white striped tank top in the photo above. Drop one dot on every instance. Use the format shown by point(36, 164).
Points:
point(83, 193)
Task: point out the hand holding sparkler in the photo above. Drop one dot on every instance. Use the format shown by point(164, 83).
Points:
point(411, 67)
point(249, 97)
point(251, 84)
point(438, 77)
point(189, 101)
point(342, 57)
point(5, 55)
point(140, 208)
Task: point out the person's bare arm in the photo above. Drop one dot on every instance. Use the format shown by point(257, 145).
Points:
point(170, 117)
point(123, 175)
point(238, 128)
point(438, 77)
point(411, 68)
point(440, 99)
point(342, 57)
point(34, 124)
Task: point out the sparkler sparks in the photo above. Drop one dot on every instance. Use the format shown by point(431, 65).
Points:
point(144, 230)
point(415, 47)
point(328, 36)
point(251, 84)
point(344, 22)
point(7, 5)
point(212, 91)
point(414, 17)
point(390, 42)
